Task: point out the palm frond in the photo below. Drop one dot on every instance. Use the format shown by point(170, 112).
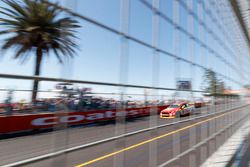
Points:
point(21, 51)
point(9, 12)
point(35, 24)
point(16, 7)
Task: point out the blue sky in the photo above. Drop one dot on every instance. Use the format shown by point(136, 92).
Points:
point(99, 56)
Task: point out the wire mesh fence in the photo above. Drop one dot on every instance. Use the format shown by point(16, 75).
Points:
point(137, 58)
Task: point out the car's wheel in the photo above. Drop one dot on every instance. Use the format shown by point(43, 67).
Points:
point(178, 114)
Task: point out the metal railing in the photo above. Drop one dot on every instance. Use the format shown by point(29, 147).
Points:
point(210, 33)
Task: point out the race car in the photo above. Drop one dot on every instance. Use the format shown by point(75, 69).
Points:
point(177, 110)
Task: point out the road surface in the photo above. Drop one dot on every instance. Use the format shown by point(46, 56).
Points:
point(149, 154)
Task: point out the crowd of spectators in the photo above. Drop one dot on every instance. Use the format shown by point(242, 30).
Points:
point(75, 100)
point(84, 104)
point(96, 103)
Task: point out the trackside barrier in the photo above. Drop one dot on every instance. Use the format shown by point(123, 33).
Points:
point(49, 155)
point(28, 122)
point(242, 119)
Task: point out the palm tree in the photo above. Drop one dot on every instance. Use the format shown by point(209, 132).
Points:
point(33, 26)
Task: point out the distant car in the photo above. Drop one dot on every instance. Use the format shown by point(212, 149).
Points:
point(177, 110)
point(199, 104)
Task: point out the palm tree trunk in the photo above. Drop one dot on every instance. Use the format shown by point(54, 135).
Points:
point(39, 55)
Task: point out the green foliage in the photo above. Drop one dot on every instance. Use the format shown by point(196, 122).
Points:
point(33, 24)
point(247, 86)
point(212, 85)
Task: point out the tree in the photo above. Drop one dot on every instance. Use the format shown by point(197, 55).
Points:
point(247, 86)
point(33, 26)
point(212, 85)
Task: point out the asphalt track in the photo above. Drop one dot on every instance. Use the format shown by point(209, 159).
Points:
point(149, 154)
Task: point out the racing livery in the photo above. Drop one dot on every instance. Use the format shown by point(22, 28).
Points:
point(176, 110)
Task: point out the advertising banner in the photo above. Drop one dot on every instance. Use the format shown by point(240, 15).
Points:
point(28, 122)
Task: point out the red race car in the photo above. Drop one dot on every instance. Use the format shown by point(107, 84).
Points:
point(176, 110)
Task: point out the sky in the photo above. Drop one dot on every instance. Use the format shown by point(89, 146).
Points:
point(98, 58)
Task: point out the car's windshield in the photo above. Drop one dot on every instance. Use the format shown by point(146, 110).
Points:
point(174, 106)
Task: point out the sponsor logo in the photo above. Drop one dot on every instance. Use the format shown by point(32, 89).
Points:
point(78, 118)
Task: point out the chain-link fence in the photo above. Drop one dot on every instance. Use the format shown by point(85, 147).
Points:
point(155, 83)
